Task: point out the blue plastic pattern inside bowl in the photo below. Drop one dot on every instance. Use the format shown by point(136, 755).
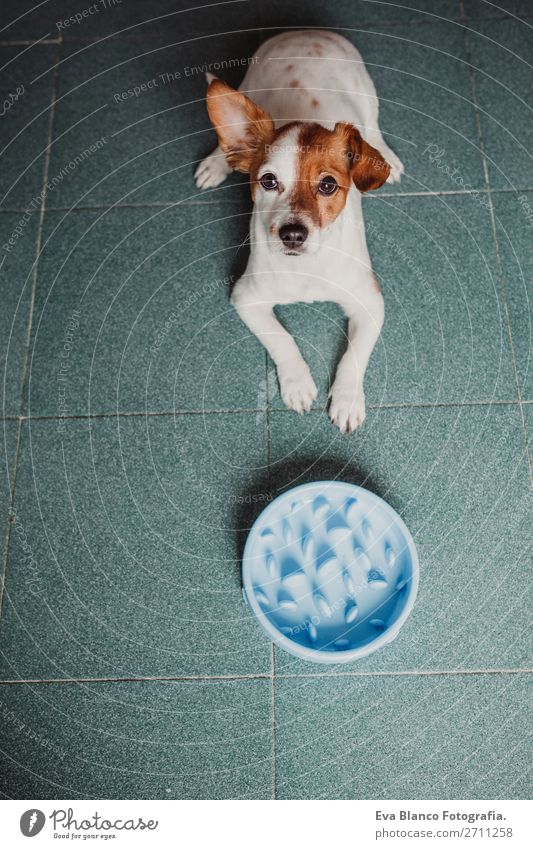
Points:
point(330, 571)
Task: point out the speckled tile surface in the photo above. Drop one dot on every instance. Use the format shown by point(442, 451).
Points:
point(18, 240)
point(132, 314)
point(501, 54)
point(427, 116)
point(514, 227)
point(26, 97)
point(156, 740)
point(458, 477)
point(479, 9)
point(129, 545)
point(152, 432)
point(434, 737)
point(135, 17)
point(147, 125)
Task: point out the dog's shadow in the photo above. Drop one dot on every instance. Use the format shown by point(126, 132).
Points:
point(281, 477)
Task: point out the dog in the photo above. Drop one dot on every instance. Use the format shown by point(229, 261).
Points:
point(295, 127)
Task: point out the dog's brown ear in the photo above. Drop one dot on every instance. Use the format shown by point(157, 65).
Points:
point(369, 170)
point(243, 128)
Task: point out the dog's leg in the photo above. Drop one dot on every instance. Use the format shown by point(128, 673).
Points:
point(347, 406)
point(369, 107)
point(297, 387)
point(212, 171)
point(375, 138)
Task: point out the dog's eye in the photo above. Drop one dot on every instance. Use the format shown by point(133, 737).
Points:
point(327, 185)
point(269, 182)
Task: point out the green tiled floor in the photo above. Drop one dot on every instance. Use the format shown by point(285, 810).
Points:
point(514, 221)
point(18, 233)
point(144, 431)
point(434, 737)
point(474, 539)
point(162, 740)
point(152, 329)
point(501, 54)
point(27, 93)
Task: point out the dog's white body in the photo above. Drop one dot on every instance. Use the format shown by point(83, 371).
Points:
point(311, 76)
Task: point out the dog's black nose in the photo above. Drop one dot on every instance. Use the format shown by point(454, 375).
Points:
point(293, 235)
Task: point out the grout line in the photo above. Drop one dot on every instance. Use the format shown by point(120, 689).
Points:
point(240, 410)
point(132, 680)
point(501, 275)
point(422, 405)
point(266, 676)
point(406, 674)
point(83, 416)
point(30, 319)
point(169, 204)
point(21, 42)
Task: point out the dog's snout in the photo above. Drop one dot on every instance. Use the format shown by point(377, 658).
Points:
point(293, 235)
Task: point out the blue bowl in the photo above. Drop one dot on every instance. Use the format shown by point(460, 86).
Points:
point(330, 572)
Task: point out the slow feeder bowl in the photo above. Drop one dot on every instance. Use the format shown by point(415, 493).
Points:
point(330, 572)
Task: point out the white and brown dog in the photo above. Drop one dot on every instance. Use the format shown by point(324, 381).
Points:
point(298, 138)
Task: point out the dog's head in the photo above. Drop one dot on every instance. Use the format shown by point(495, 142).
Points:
point(300, 175)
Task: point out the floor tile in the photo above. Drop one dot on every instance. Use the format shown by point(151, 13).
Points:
point(445, 337)
point(27, 87)
point(132, 313)
point(7, 469)
point(128, 560)
point(60, 19)
point(514, 223)
point(501, 53)
point(479, 9)
point(350, 15)
point(18, 242)
point(459, 479)
point(435, 737)
point(126, 18)
point(426, 110)
point(151, 740)
point(28, 20)
point(142, 108)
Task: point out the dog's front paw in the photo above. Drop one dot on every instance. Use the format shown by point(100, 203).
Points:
point(212, 171)
point(297, 388)
point(347, 407)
